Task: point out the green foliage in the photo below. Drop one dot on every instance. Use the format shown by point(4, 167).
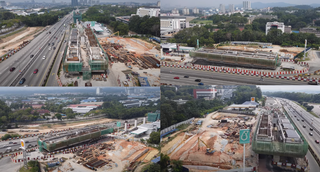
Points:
point(145, 25)
point(164, 161)
point(34, 166)
point(151, 167)
point(154, 138)
point(93, 14)
point(58, 116)
point(48, 18)
point(234, 18)
point(244, 93)
point(7, 136)
point(296, 96)
point(119, 26)
point(172, 113)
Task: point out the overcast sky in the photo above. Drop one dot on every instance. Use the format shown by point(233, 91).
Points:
point(115, 1)
point(291, 88)
point(210, 3)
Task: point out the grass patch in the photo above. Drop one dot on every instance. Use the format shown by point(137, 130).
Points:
point(23, 169)
point(312, 113)
point(12, 33)
point(199, 21)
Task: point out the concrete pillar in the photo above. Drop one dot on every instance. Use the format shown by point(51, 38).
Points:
point(276, 158)
point(125, 126)
point(144, 120)
point(135, 123)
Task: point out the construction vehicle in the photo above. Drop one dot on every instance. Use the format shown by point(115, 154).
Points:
point(209, 150)
point(114, 34)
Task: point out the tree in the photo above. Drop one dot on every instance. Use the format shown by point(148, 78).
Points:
point(58, 116)
point(154, 138)
point(164, 161)
point(151, 167)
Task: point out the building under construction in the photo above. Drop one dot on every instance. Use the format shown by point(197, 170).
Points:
point(275, 135)
point(83, 54)
point(60, 140)
point(258, 60)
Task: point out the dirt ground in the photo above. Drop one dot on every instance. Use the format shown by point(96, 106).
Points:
point(15, 40)
point(46, 128)
point(275, 48)
point(133, 45)
point(194, 153)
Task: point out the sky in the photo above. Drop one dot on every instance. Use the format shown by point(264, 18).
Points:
point(291, 88)
point(140, 1)
point(210, 3)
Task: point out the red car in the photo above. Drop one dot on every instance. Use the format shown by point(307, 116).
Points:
point(35, 71)
point(12, 69)
point(317, 141)
point(176, 77)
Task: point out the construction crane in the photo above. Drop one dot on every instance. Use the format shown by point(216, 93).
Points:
point(209, 150)
point(114, 34)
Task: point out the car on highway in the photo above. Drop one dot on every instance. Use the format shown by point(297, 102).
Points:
point(311, 129)
point(176, 77)
point(311, 134)
point(197, 80)
point(302, 120)
point(313, 83)
point(186, 76)
point(297, 119)
point(12, 69)
point(35, 71)
point(52, 43)
point(200, 83)
point(27, 141)
point(10, 142)
point(44, 57)
point(14, 142)
point(317, 141)
point(304, 126)
point(31, 55)
point(54, 48)
point(8, 148)
point(48, 44)
point(22, 81)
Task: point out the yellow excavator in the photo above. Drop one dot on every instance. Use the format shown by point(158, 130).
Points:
point(209, 150)
point(114, 34)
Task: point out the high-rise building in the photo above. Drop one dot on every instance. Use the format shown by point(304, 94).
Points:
point(222, 9)
point(98, 91)
point(74, 2)
point(175, 11)
point(231, 8)
point(247, 5)
point(158, 3)
point(195, 11)
point(185, 11)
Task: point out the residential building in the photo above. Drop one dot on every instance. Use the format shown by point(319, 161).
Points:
point(275, 24)
point(208, 94)
point(152, 12)
point(175, 11)
point(185, 11)
point(247, 5)
point(231, 8)
point(222, 9)
point(195, 11)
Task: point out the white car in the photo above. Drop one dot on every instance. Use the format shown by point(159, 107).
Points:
point(44, 57)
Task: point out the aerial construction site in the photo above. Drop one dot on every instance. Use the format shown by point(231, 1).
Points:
point(110, 60)
point(212, 143)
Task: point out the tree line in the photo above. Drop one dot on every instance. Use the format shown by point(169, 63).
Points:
point(296, 96)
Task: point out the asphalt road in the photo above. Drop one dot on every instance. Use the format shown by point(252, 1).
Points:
point(216, 78)
point(37, 47)
point(294, 110)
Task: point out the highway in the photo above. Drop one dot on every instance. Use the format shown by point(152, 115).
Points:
point(38, 47)
point(217, 78)
point(296, 113)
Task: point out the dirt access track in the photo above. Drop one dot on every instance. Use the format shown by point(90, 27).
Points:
point(15, 40)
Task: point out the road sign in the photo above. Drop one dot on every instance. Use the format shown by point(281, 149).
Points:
point(118, 124)
point(22, 144)
point(244, 136)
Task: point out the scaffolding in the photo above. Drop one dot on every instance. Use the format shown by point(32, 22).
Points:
point(280, 148)
point(237, 60)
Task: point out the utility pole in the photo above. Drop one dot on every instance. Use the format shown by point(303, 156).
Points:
point(305, 46)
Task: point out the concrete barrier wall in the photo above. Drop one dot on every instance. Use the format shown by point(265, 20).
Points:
point(183, 144)
point(138, 156)
point(172, 127)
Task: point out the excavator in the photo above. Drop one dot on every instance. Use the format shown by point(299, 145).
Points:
point(209, 150)
point(114, 34)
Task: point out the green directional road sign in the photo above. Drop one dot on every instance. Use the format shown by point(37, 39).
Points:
point(244, 136)
point(118, 124)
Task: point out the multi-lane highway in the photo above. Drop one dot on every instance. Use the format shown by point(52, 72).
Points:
point(305, 122)
point(217, 78)
point(43, 56)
